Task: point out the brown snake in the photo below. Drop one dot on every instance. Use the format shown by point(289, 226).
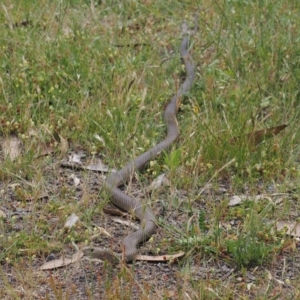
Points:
point(143, 212)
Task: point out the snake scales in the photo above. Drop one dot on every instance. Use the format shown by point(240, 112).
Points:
point(143, 212)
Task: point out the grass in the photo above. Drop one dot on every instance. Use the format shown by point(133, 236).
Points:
point(63, 75)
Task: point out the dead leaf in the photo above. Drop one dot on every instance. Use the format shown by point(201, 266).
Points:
point(47, 149)
point(292, 228)
point(71, 221)
point(235, 200)
point(113, 212)
point(127, 223)
point(167, 257)
point(11, 147)
point(76, 158)
point(256, 137)
point(61, 262)
point(159, 181)
point(97, 165)
point(100, 139)
point(108, 255)
point(101, 231)
point(289, 245)
point(101, 254)
point(2, 214)
point(76, 180)
point(63, 145)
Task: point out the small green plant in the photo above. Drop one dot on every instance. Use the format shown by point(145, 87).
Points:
point(255, 244)
point(172, 159)
point(198, 238)
point(249, 250)
point(201, 222)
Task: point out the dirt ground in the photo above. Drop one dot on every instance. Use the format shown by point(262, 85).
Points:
point(206, 277)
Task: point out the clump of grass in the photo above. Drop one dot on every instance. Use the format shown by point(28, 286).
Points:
point(253, 243)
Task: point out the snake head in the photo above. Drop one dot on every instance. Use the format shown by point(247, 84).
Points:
point(102, 254)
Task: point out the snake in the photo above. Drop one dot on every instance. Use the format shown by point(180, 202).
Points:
point(143, 212)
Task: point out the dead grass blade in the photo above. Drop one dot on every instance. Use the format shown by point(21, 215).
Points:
point(167, 257)
point(71, 221)
point(113, 212)
point(62, 262)
point(12, 147)
point(291, 228)
point(63, 145)
point(127, 223)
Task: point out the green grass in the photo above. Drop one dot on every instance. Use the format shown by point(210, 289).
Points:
point(61, 73)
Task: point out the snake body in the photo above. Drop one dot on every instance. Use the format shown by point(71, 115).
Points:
point(143, 212)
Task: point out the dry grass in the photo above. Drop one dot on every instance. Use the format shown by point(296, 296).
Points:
point(64, 79)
